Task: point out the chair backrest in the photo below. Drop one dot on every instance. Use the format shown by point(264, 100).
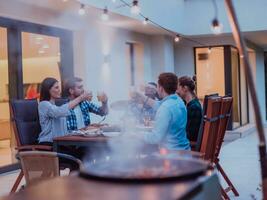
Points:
point(201, 127)
point(211, 125)
point(205, 102)
point(39, 165)
point(25, 121)
point(225, 114)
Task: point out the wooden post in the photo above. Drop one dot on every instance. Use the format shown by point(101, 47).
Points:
point(239, 40)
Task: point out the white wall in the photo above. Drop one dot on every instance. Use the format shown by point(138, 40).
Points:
point(260, 77)
point(92, 44)
point(162, 55)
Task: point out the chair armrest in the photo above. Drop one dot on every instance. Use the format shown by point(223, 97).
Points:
point(34, 147)
point(71, 158)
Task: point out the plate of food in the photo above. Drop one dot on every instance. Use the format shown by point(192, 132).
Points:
point(97, 125)
point(111, 128)
point(112, 134)
point(88, 132)
point(141, 127)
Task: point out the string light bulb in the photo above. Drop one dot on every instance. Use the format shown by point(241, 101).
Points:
point(177, 38)
point(105, 16)
point(216, 26)
point(135, 9)
point(145, 22)
point(82, 10)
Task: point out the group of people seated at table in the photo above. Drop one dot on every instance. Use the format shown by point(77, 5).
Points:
point(171, 103)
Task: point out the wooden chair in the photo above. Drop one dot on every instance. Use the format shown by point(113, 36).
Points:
point(210, 130)
point(41, 165)
point(225, 114)
point(215, 125)
point(195, 146)
point(25, 122)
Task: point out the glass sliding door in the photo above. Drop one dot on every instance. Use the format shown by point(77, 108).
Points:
point(40, 59)
point(218, 71)
point(210, 71)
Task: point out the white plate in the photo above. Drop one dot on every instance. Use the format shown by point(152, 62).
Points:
point(111, 134)
point(144, 128)
point(88, 133)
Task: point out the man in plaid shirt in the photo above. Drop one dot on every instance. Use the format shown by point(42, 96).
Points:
point(80, 115)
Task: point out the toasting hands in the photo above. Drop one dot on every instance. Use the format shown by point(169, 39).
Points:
point(102, 97)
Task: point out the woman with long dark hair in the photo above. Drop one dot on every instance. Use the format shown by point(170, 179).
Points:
point(186, 90)
point(52, 117)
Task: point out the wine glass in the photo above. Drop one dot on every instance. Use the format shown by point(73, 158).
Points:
point(146, 118)
point(90, 95)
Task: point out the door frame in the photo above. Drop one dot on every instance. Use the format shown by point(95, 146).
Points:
point(228, 79)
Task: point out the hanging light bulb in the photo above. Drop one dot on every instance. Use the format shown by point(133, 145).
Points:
point(216, 26)
point(135, 9)
point(82, 10)
point(105, 15)
point(145, 21)
point(177, 38)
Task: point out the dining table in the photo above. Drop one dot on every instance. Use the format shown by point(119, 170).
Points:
point(78, 141)
point(100, 141)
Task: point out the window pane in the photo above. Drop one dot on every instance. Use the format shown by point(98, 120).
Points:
point(41, 59)
point(6, 136)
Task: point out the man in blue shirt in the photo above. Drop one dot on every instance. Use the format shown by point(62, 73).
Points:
point(170, 123)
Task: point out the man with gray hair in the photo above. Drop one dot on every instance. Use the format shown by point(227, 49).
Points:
point(80, 115)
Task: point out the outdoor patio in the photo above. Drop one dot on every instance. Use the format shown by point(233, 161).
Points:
point(239, 158)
